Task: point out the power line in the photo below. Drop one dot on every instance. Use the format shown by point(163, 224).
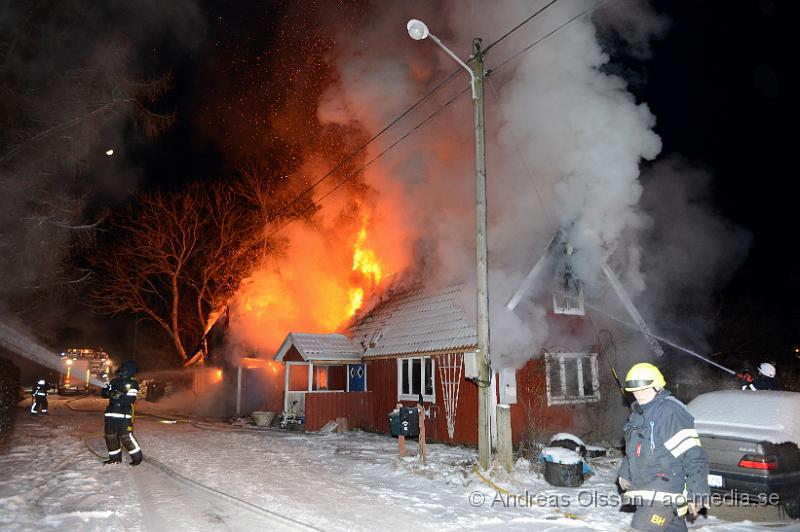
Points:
point(419, 102)
point(368, 163)
point(558, 28)
point(518, 26)
point(357, 150)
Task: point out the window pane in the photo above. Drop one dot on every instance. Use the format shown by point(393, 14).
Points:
point(428, 376)
point(554, 370)
point(587, 376)
point(416, 375)
point(571, 373)
point(404, 372)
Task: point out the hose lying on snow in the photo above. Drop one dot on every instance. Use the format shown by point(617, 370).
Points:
point(286, 521)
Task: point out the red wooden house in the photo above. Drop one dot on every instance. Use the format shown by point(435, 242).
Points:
point(417, 342)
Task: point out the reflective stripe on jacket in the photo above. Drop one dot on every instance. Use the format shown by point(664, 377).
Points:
point(128, 389)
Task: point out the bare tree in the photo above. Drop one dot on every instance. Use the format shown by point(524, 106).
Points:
point(177, 259)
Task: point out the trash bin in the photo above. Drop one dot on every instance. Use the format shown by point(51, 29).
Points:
point(562, 467)
point(263, 419)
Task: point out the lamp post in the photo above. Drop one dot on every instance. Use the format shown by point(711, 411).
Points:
point(418, 31)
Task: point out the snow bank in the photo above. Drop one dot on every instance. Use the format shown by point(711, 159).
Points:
point(763, 416)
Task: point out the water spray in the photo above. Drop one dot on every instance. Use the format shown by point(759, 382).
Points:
point(20, 344)
point(662, 339)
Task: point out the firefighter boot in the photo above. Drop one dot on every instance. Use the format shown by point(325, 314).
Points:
point(136, 458)
point(117, 459)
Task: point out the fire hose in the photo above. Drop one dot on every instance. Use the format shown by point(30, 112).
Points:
point(662, 339)
point(498, 489)
point(286, 521)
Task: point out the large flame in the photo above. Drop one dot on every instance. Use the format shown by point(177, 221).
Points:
point(328, 272)
point(367, 264)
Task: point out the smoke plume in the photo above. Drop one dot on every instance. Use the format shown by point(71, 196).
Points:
point(566, 141)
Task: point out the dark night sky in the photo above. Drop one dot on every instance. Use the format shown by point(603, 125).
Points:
point(721, 87)
point(720, 84)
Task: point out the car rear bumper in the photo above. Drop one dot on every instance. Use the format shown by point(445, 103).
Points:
point(757, 488)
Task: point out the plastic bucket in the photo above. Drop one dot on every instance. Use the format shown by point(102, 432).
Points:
point(263, 419)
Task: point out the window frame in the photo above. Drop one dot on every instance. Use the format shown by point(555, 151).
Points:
point(422, 378)
point(561, 359)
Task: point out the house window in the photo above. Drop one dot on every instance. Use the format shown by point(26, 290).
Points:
point(414, 376)
point(571, 378)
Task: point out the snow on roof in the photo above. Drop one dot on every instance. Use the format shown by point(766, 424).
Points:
point(762, 416)
point(417, 322)
point(320, 347)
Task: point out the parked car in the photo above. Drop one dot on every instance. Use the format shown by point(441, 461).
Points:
point(752, 443)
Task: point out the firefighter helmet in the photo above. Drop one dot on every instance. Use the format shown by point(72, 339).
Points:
point(127, 369)
point(41, 381)
point(642, 376)
point(767, 369)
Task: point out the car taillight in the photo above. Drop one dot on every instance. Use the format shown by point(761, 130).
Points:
point(757, 461)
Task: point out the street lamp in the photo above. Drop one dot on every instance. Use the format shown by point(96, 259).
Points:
point(418, 31)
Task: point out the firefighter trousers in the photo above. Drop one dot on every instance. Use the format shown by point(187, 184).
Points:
point(121, 430)
point(39, 404)
point(657, 517)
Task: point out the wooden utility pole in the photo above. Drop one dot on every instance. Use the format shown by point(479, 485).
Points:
point(482, 261)
point(505, 454)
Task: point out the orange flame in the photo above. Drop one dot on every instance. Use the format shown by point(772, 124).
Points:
point(328, 270)
point(365, 262)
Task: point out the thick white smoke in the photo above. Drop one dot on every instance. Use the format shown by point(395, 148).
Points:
point(565, 141)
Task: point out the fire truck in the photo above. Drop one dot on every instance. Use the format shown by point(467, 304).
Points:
point(80, 366)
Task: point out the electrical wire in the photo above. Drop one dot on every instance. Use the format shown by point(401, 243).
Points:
point(402, 115)
point(607, 358)
point(518, 26)
point(558, 28)
point(405, 113)
point(368, 163)
point(369, 141)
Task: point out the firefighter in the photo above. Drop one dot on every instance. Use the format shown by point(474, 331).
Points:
point(39, 397)
point(121, 392)
point(665, 469)
point(765, 380)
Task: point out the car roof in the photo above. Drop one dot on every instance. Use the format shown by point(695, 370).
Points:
point(754, 415)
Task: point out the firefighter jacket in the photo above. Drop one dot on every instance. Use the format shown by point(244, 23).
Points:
point(663, 456)
point(39, 390)
point(121, 393)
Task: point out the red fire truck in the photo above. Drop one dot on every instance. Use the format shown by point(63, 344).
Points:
point(80, 366)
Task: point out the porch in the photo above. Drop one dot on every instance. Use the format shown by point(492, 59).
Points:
point(319, 372)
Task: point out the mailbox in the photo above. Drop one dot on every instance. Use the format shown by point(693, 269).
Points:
point(404, 422)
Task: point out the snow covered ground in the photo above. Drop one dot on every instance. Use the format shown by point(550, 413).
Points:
point(210, 475)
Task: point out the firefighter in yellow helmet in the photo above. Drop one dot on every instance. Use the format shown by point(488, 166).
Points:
point(665, 470)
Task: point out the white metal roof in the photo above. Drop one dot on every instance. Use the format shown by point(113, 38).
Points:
point(417, 322)
point(320, 347)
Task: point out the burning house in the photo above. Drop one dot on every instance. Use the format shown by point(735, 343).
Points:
point(420, 342)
